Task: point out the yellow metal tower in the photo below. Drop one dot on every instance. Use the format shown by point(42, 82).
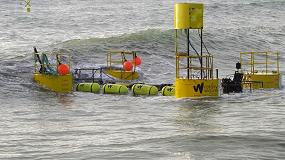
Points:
point(194, 72)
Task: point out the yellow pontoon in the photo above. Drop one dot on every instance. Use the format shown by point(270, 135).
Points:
point(261, 69)
point(115, 62)
point(47, 76)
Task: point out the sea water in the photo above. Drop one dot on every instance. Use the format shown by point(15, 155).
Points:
point(39, 124)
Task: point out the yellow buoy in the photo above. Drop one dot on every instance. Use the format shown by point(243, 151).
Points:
point(88, 87)
point(168, 91)
point(115, 89)
point(28, 5)
point(142, 89)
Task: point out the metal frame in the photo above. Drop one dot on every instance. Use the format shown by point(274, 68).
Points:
point(253, 63)
point(36, 65)
point(206, 68)
point(111, 61)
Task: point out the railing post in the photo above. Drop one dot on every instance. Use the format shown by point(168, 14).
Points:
point(93, 75)
point(278, 62)
point(266, 62)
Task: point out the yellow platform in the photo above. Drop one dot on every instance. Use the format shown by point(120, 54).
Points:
point(123, 75)
point(262, 80)
point(261, 70)
point(46, 75)
point(117, 58)
point(56, 83)
point(195, 88)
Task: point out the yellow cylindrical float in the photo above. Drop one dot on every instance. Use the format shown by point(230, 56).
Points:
point(88, 87)
point(168, 91)
point(188, 16)
point(114, 89)
point(181, 16)
point(142, 89)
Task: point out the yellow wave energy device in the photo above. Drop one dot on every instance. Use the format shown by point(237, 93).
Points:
point(46, 75)
point(261, 70)
point(115, 61)
point(142, 89)
point(115, 89)
point(88, 87)
point(194, 71)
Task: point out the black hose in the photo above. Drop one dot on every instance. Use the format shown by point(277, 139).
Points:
point(200, 59)
point(203, 43)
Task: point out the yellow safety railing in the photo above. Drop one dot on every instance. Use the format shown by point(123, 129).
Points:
point(264, 62)
point(51, 57)
point(119, 57)
point(194, 66)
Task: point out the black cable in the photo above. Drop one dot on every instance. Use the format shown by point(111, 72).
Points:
point(203, 43)
point(200, 59)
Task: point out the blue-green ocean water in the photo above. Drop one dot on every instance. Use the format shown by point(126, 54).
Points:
point(38, 124)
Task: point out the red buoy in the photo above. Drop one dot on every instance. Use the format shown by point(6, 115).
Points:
point(137, 60)
point(128, 66)
point(63, 69)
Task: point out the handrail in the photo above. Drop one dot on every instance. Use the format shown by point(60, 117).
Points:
point(207, 67)
point(118, 60)
point(52, 66)
point(251, 60)
point(93, 71)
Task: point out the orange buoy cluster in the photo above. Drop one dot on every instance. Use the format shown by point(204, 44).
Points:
point(129, 65)
point(137, 60)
